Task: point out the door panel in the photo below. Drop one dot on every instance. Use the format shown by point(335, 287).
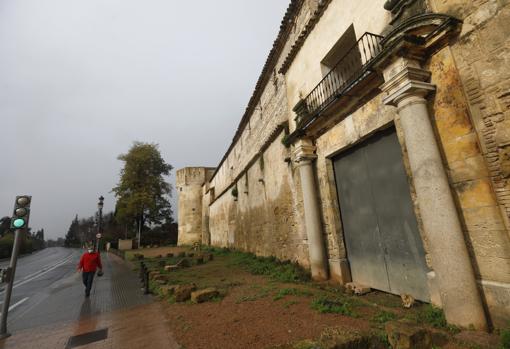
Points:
point(364, 243)
point(397, 222)
point(376, 205)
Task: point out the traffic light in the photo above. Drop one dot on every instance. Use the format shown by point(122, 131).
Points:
point(21, 212)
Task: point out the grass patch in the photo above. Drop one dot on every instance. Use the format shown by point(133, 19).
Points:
point(263, 293)
point(291, 292)
point(384, 316)
point(505, 338)
point(335, 306)
point(269, 266)
point(434, 316)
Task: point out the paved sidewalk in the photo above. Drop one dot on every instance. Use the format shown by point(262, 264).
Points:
point(143, 326)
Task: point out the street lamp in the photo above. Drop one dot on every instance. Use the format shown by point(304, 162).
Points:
point(100, 205)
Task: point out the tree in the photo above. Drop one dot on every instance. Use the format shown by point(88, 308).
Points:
point(72, 238)
point(5, 225)
point(142, 192)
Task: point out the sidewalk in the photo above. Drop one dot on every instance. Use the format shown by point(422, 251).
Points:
point(143, 326)
point(117, 314)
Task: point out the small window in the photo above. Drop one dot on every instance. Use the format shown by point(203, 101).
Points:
point(344, 50)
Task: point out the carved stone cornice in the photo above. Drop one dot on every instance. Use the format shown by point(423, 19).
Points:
point(405, 78)
point(304, 150)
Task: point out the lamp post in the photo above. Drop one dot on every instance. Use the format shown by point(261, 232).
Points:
point(100, 205)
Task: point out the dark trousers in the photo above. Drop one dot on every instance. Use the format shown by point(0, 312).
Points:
point(88, 277)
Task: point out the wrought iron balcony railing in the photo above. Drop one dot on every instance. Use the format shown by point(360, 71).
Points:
point(350, 69)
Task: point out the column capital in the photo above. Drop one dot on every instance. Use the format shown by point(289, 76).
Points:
point(405, 78)
point(304, 150)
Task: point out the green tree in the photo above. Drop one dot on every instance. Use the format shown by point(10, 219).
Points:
point(72, 238)
point(5, 225)
point(142, 192)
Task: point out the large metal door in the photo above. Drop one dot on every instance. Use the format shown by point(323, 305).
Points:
point(384, 247)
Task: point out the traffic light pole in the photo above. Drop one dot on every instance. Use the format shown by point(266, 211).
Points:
point(8, 287)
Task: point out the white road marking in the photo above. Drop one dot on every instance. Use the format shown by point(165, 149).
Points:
point(16, 304)
point(39, 273)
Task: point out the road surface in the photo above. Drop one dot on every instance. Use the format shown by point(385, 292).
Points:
point(47, 289)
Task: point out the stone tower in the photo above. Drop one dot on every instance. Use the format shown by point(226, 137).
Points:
point(189, 186)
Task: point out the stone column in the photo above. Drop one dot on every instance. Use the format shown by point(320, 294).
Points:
point(406, 87)
point(304, 155)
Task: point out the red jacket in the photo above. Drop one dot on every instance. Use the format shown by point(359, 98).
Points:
point(90, 262)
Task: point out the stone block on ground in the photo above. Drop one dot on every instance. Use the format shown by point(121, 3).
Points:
point(171, 267)
point(340, 338)
point(161, 277)
point(204, 295)
point(405, 335)
point(357, 289)
point(184, 263)
point(183, 292)
point(168, 289)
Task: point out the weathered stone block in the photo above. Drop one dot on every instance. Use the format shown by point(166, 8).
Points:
point(184, 263)
point(403, 335)
point(204, 295)
point(339, 338)
point(357, 289)
point(168, 289)
point(171, 267)
point(183, 292)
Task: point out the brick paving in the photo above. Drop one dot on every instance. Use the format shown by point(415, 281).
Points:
point(133, 320)
point(143, 326)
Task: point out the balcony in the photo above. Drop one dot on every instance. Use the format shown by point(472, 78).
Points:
point(346, 78)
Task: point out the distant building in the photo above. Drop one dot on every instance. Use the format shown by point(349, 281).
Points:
point(375, 149)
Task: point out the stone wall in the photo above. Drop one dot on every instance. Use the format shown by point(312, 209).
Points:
point(262, 217)
point(254, 200)
point(478, 143)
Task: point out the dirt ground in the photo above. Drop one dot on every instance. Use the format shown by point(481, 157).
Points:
point(257, 311)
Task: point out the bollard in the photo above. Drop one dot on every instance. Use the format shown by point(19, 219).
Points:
point(146, 288)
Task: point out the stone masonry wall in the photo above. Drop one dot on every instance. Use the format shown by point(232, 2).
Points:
point(267, 217)
point(262, 218)
point(479, 146)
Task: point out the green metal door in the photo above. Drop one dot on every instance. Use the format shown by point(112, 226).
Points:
point(384, 247)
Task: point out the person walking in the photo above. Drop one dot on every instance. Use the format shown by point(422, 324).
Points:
point(90, 261)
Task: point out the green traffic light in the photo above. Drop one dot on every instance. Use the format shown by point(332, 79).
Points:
point(18, 223)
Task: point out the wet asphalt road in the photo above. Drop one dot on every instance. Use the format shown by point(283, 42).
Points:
point(48, 289)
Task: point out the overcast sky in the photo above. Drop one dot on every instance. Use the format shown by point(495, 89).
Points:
point(80, 80)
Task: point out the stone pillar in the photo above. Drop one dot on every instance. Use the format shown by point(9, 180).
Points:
point(406, 87)
point(304, 155)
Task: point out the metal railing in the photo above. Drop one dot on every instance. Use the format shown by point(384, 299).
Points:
point(350, 69)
